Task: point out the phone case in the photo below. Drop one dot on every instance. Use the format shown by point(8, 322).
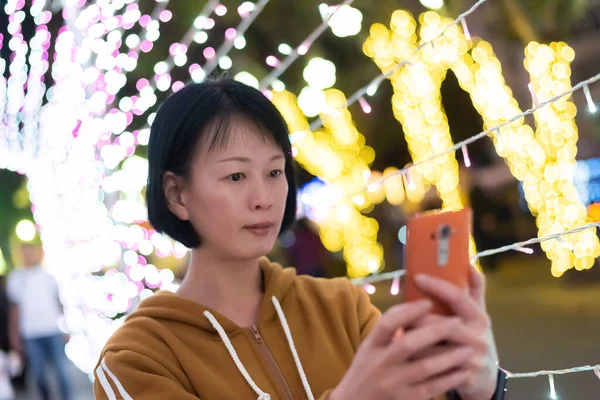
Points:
point(437, 244)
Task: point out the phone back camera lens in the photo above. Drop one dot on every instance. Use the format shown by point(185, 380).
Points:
point(445, 231)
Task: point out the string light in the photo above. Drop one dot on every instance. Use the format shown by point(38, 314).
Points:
point(552, 388)
point(551, 160)
point(511, 375)
point(395, 288)
point(227, 45)
point(146, 97)
point(466, 158)
point(15, 87)
point(550, 374)
point(272, 61)
point(493, 106)
point(465, 28)
point(301, 50)
point(370, 288)
point(486, 253)
point(563, 243)
point(525, 250)
point(534, 98)
point(587, 227)
point(332, 155)
point(588, 97)
point(409, 182)
point(366, 107)
point(371, 86)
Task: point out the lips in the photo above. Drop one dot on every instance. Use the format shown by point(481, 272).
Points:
point(260, 229)
point(260, 225)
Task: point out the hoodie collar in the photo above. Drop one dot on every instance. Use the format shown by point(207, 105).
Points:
point(170, 306)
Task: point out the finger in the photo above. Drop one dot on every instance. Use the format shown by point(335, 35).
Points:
point(459, 301)
point(397, 317)
point(415, 340)
point(429, 367)
point(432, 351)
point(464, 334)
point(467, 335)
point(428, 319)
point(440, 385)
point(477, 286)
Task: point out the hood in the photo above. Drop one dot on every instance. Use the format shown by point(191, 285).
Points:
point(168, 306)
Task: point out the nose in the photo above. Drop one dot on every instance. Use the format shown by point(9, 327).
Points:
point(261, 197)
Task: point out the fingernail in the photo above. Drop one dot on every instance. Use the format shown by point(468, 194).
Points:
point(422, 278)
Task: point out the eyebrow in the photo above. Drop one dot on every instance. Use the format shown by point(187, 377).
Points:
point(247, 160)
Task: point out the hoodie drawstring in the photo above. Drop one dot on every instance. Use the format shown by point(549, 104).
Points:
point(288, 334)
point(261, 395)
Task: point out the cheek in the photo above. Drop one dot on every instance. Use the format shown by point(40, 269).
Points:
point(212, 209)
point(282, 190)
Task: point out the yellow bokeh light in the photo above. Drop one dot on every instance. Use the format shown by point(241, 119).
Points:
point(543, 160)
point(338, 155)
point(417, 104)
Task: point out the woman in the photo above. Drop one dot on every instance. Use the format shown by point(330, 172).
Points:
point(221, 182)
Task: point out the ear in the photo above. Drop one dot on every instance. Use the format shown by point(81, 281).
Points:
point(173, 188)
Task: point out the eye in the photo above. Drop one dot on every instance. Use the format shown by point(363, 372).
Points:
point(276, 173)
point(238, 176)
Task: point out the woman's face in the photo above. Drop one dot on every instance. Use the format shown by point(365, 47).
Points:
point(235, 195)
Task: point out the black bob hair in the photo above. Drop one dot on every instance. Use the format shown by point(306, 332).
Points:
point(183, 119)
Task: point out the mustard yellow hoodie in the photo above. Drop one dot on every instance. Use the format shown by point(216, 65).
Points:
point(171, 348)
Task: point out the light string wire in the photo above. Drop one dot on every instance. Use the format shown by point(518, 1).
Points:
point(301, 49)
point(511, 375)
point(187, 38)
point(381, 77)
point(486, 253)
point(494, 130)
point(227, 45)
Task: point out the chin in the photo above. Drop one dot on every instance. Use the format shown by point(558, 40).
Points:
point(257, 249)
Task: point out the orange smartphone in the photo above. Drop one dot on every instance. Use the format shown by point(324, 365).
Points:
point(437, 244)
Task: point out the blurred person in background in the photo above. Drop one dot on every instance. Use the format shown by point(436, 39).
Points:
point(34, 313)
point(307, 253)
point(10, 360)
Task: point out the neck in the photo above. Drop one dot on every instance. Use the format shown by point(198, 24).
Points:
point(231, 287)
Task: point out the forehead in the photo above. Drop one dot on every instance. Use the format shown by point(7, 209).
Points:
point(236, 134)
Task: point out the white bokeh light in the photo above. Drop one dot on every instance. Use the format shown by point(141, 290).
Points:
point(319, 73)
point(25, 230)
point(225, 62)
point(239, 42)
point(346, 21)
point(247, 78)
point(311, 101)
point(433, 4)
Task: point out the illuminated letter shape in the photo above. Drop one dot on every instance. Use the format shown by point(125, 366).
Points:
point(417, 102)
point(338, 155)
point(544, 162)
